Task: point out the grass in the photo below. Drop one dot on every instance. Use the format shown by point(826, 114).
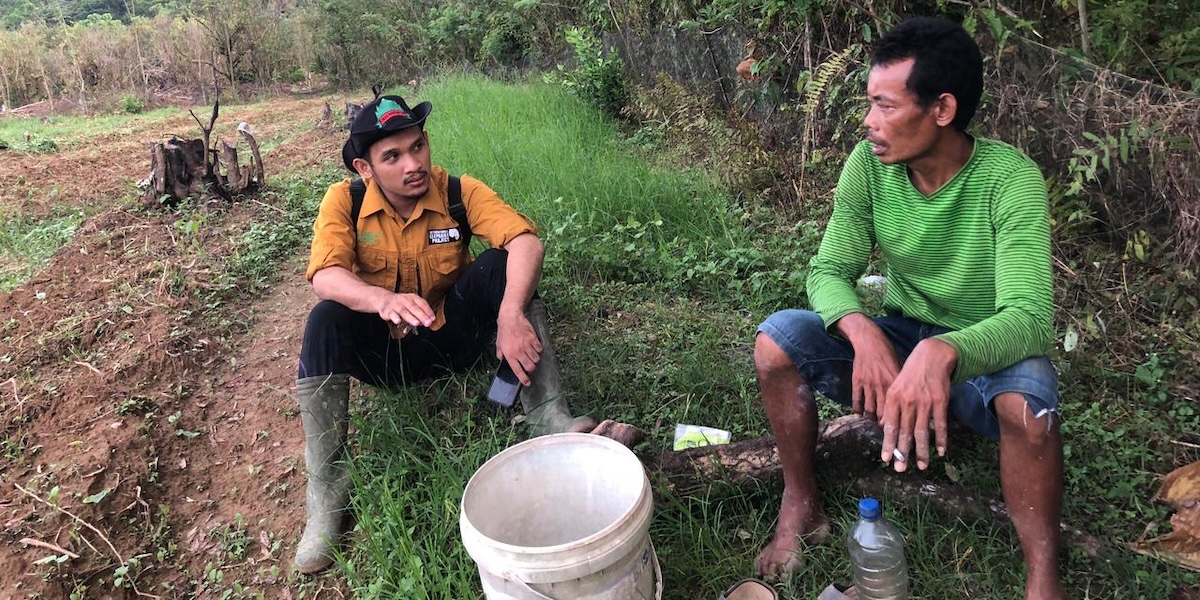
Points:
point(54, 133)
point(27, 244)
point(655, 280)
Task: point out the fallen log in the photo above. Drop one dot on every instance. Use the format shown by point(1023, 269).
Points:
point(850, 442)
point(851, 445)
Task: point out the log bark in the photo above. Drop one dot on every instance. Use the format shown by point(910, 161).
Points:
point(258, 174)
point(850, 443)
point(326, 117)
point(235, 180)
point(177, 170)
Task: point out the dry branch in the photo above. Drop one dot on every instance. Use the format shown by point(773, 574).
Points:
point(55, 548)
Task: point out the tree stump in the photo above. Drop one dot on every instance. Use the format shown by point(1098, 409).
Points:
point(177, 170)
point(181, 169)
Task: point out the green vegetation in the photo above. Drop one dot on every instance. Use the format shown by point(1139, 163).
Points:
point(82, 48)
point(27, 244)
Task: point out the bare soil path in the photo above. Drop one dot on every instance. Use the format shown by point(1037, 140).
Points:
point(148, 448)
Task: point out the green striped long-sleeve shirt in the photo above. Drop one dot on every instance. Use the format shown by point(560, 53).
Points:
point(973, 257)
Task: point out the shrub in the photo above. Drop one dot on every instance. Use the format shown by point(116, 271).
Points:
point(599, 75)
point(508, 41)
point(132, 105)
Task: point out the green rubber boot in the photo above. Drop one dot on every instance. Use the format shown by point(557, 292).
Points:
point(324, 412)
point(545, 404)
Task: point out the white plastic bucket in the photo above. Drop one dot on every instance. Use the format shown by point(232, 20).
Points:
point(564, 517)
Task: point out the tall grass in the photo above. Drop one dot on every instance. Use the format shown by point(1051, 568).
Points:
point(656, 280)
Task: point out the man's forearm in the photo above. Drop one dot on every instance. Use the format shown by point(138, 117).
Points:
point(345, 288)
point(856, 327)
point(523, 271)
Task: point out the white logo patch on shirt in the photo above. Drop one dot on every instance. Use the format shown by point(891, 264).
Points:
point(444, 236)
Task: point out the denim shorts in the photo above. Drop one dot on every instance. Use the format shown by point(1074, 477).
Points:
point(826, 361)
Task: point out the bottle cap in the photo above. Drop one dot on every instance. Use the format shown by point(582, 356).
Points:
point(868, 508)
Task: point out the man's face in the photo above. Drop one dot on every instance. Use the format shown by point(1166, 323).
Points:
point(900, 129)
point(400, 164)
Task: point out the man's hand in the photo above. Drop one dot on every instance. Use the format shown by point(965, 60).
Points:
point(409, 309)
point(517, 342)
point(920, 393)
point(875, 365)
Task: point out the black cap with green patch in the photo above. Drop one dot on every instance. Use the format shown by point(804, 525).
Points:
point(380, 118)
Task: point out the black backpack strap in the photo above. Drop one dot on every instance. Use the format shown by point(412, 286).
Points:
point(458, 210)
point(358, 191)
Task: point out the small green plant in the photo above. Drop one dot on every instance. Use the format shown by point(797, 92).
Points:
point(132, 105)
point(43, 146)
point(234, 538)
point(598, 77)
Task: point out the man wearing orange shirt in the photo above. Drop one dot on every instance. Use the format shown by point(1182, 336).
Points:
point(402, 299)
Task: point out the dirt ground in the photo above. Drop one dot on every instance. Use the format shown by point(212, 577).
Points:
point(149, 450)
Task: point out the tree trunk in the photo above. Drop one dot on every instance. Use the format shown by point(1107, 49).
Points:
point(188, 168)
point(257, 174)
point(234, 177)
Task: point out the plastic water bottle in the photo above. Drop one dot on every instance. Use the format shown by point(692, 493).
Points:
point(877, 555)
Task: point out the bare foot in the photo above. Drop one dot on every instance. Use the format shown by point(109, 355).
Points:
point(624, 433)
point(799, 525)
point(582, 425)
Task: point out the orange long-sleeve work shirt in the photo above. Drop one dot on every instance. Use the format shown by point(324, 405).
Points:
point(424, 255)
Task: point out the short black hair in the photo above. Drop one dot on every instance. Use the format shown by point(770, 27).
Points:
point(945, 60)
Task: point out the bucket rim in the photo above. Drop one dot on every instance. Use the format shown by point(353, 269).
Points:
point(642, 508)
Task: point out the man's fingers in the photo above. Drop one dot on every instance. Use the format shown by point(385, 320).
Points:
point(904, 445)
point(940, 430)
point(519, 371)
point(889, 443)
point(921, 437)
point(529, 362)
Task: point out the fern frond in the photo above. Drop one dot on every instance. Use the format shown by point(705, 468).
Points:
point(825, 72)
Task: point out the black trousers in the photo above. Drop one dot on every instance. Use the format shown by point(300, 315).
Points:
point(340, 341)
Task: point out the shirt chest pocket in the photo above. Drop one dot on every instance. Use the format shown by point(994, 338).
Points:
point(444, 265)
point(379, 268)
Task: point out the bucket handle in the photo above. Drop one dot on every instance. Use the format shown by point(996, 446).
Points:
point(658, 586)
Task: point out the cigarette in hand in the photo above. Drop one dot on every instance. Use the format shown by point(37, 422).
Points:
point(898, 455)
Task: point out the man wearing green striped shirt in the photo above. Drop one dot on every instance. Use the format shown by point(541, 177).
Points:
point(962, 225)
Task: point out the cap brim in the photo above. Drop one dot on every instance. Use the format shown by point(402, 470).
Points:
point(419, 113)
